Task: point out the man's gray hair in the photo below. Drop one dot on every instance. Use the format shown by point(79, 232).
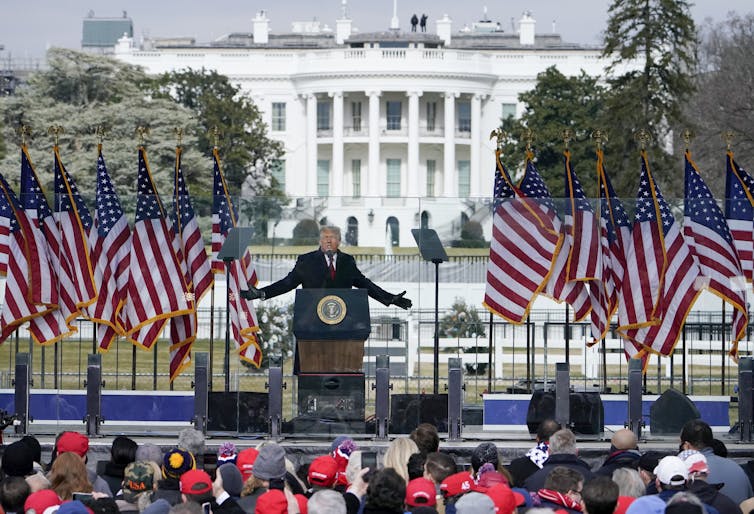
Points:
point(629, 482)
point(186, 508)
point(563, 441)
point(191, 440)
point(686, 497)
point(326, 501)
point(330, 228)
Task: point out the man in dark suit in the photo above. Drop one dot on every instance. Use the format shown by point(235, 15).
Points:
point(325, 268)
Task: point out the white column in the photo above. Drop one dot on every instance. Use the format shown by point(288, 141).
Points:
point(336, 188)
point(413, 174)
point(449, 148)
point(311, 145)
point(476, 142)
point(374, 145)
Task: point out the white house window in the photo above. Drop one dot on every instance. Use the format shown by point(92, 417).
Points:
point(431, 167)
point(509, 111)
point(464, 116)
point(323, 177)
point(323, 115)
point(464, 179)
point(277, 169)
point(393, 115)
point(393, 178)
point(356, 116)
point(278, 116)
point(356, 177)
point(431, 116)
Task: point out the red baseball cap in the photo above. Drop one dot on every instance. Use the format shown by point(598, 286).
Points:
point(322, 471)
point(245, 462)
point(195, 481)
point(73, 442)
point(421, 492)
point(456, 484)
point(42, 500)
point(272, 502)
point(503, 497)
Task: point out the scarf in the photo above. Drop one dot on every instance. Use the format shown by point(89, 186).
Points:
point(559, 499)
point(539, 454)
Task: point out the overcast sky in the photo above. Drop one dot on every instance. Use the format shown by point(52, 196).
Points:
point(29, 27)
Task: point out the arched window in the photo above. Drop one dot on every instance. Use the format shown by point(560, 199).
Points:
point(352, 231)
point(425, 219)
point(393, 229)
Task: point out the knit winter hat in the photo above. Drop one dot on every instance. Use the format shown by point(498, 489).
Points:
point(475, 503)
point(485, 452)
point(176, 462)
point(18, 460)
point(270, 462)
point(227, 453)
point(232, 479)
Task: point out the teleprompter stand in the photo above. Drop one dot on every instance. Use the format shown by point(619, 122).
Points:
point(233, 248)
point(431, 250)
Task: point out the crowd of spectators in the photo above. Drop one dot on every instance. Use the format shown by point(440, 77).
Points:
point(414, 475)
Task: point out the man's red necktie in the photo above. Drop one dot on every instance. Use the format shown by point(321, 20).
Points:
point(332, 269)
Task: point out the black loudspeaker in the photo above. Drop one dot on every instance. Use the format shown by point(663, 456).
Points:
point(237, 411)
point(409, 410)
point(473, 415)
point(670, 412)
point(331, 397)
point(586, 412)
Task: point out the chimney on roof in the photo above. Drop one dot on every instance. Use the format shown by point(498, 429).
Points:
point(444, 26)
point(343, 25)
point(261, 28)
point(526, 29)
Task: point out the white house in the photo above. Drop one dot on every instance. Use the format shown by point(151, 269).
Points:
point(383, 131)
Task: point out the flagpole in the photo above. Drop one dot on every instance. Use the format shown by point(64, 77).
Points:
point(529, 355)
point(683, 359)
point(722, 344)
point(489, 358)
point(211, 332)
point(567, 336)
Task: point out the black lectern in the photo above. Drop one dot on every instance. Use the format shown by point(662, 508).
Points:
point(331, 326)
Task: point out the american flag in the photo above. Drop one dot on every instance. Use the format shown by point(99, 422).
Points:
point(157, 288)
point(195, 265)
point(645, 259)
point(586, 258)
point(52, 326)
point(560, 286)
point(22, 260)
point(739, 212)
point(615, 234)
point(712, 246)
point(74, 223)
point(242, 316)
point(525, 241)
point(111, 246)
point(678, 284)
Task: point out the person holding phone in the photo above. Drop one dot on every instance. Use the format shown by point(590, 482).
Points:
point(196, 486)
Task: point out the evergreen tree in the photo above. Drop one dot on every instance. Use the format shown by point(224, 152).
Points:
point(661, 36)
point(81, 91)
